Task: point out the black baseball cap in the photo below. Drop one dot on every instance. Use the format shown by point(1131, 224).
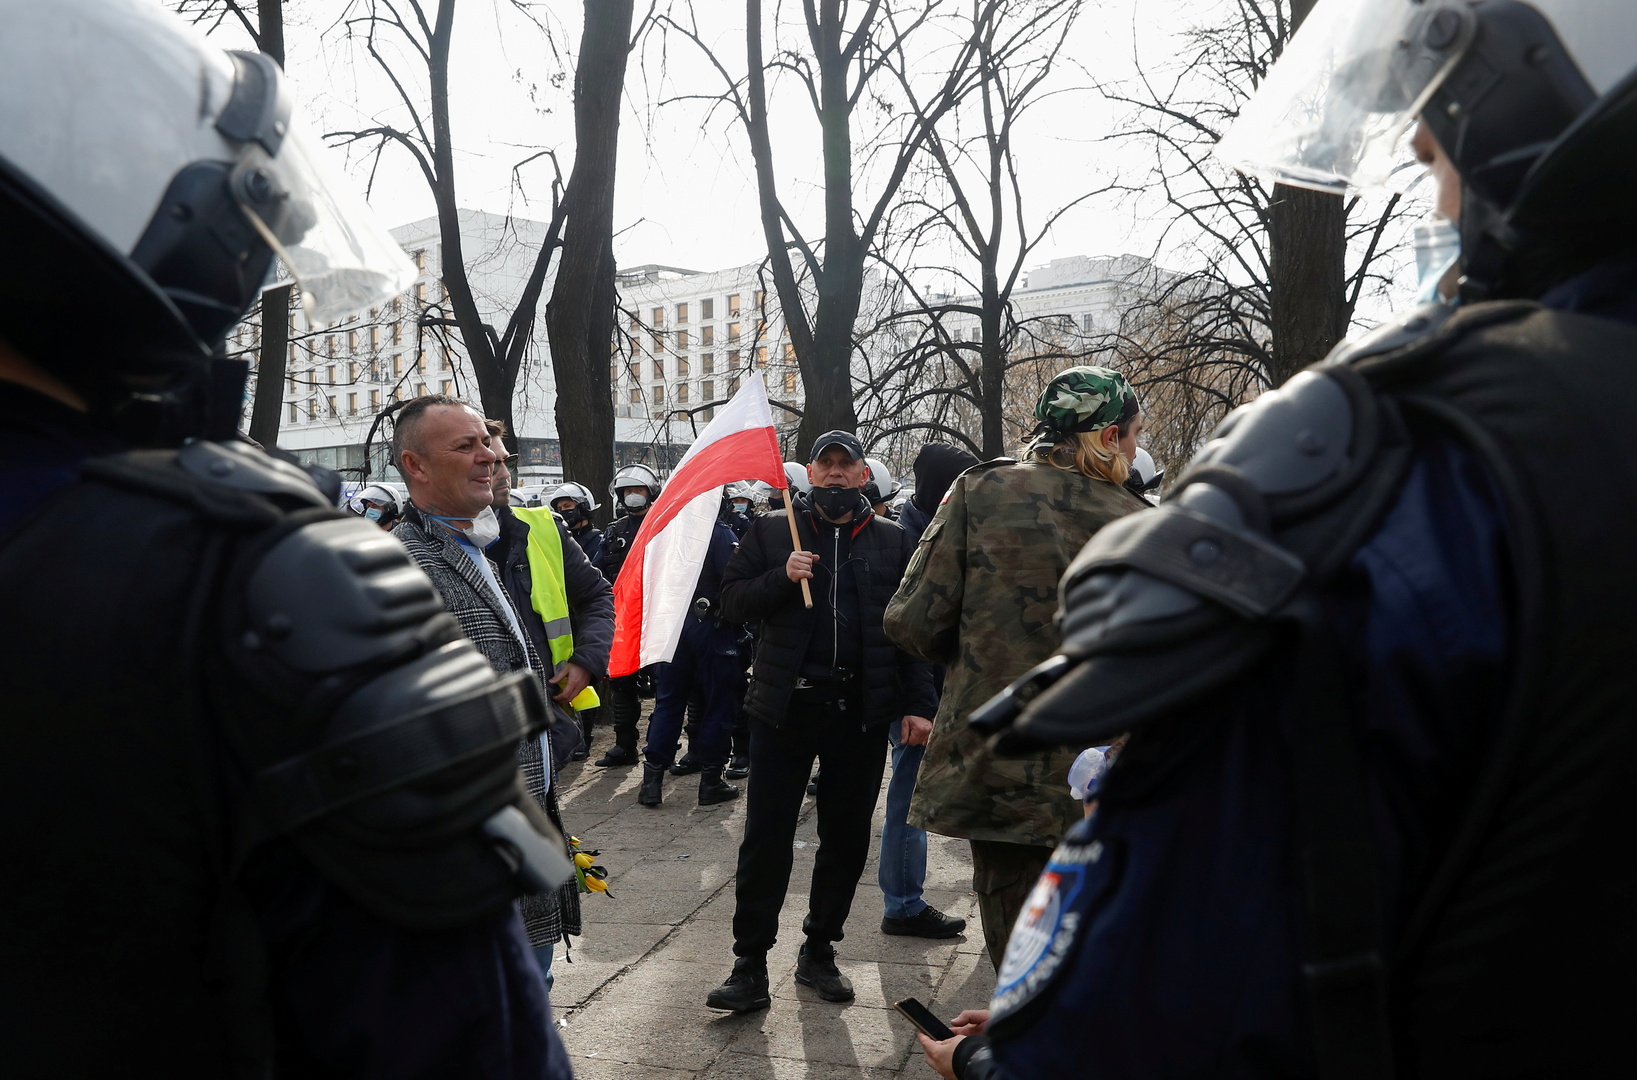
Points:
point(844, 439)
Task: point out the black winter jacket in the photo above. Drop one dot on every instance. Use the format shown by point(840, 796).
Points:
point(756, 589)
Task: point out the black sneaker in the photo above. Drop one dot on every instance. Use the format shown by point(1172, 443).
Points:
point(929, 922)
point(738, 767)
point(816, 967)
point(746, 989)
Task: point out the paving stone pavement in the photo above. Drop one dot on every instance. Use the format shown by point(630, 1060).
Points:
point(631, 1004)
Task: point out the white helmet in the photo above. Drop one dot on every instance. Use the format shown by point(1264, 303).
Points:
point(380, 498)
point(578, 493)
point(795, 475)
point(1143, 467)
point(882, 479)
point(638, 475)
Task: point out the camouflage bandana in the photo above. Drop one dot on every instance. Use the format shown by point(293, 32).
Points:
point(1084, 399)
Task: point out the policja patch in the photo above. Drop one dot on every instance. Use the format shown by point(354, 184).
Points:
point(1048, 926)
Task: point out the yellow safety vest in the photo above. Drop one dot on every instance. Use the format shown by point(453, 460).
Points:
point(548, 594)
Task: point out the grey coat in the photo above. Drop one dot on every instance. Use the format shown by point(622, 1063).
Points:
point(547, 917)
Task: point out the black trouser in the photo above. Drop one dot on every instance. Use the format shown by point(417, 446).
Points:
point(625, 703)
point(781, 760)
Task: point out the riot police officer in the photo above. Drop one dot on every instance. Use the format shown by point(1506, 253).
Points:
point(634, 488)
point(262, 804)
point(1375, 643)
point(575, 506)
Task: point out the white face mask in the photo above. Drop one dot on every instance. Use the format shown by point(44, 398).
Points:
point(484, 531)
point(373, 513)
point(635, 500)
point(1437, 244)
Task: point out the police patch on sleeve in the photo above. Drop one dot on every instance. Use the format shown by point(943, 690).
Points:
point(1044, 934)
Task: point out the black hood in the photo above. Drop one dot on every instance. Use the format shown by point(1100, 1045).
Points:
point(936, 467)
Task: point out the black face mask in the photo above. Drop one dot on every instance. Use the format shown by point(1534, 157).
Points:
point(835, 502)
point(571, 517)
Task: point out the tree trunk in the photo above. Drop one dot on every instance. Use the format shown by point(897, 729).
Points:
point(1307, 271)
point(580, 315)
point(267, 409)
point(1307, 241)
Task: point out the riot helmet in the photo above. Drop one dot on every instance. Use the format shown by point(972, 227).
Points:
point(635, 476)
point(795, 478)
point(151, 178)
point(379, 504)
point(583, 506)
point(1532, 102)
point(882, 485)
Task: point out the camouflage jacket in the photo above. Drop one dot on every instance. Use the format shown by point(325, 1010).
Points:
point(980, 595)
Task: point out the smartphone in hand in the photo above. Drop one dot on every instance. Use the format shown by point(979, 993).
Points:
point(922, 1018)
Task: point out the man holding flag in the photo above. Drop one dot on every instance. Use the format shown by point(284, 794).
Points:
point(827, 683)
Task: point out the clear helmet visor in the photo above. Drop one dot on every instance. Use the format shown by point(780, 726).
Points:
point(1336, 108)
point(325, 235)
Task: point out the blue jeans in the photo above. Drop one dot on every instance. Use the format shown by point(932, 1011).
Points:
point(903, 846)
point(543, 956)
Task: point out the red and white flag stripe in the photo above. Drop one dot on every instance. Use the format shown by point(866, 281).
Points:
point(656, 585)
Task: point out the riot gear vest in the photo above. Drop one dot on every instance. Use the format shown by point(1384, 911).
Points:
point(1511, 956)
point(203, 662)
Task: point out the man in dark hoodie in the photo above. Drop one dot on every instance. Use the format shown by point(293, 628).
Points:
point(902, 870)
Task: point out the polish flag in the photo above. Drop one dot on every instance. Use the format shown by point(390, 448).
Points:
point(655, 588)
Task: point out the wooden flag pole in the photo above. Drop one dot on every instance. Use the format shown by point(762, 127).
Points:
point(795, 541)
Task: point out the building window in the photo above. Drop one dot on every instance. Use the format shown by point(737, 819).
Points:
point(733, 386)
point(682, 367)
point(420, 292)
point(659, 368)
point(446, 360)
point(707, 363)
point(681, 340)
point(613, 374)
point(397, 365)
point(397, 332)
point(292, 380)
point(707, 389)
point(733, 306)
point(329, 401)
point(329, 375)
point(636, 323)
point(682, 393)
point(636, 395)
point(733, 331)
point(658, 317)
point(659, 395)
point(420, 364)
point(790, 354)
point(707, 309)
point(293, 414)
point(312, 408)
point(682, 314)
point(420, 259)
point(329, 344)
point(733, 359)
point(397, 393)
point(393, 307)
point(352, 341)
point(707, 335)
point(761, 299)
point(790, 382)
point(352, 404)
point(375, 337)
point(374, 401)
point(446, 387)
point(352, 371)
point(761, 358)
point(657, 344)
point(1088, 322)
point(420, 389)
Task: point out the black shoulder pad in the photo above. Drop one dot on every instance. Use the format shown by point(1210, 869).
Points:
point(242, 467)
point(1399, 332)
point(335, 594)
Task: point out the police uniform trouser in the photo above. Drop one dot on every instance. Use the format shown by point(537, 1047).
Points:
point(852, 760)
point(1003, 875)
point(700, 674)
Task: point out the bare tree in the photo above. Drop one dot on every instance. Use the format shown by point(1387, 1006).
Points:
point(847, 60)
point(426, 31)
point(976, 202)
point(580, 316)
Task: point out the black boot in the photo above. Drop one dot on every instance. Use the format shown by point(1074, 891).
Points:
point(626, 708)
point(653, 777)
point(713, 789)
point(618, 754)
point(738, 767)
point(816, 967)
point(746, 989)
point(687, 766)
